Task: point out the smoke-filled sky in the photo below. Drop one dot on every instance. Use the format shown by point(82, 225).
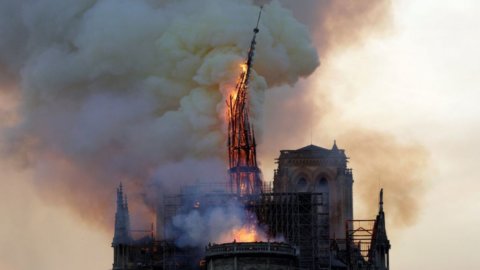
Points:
point(97, 92)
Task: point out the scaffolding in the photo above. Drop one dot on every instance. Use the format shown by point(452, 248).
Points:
point(359, 239)
point(172, 257)
point(302, 220)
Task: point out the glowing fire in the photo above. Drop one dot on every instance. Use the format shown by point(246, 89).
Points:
point(247, 233)
point(232, 90)
point(244, 67)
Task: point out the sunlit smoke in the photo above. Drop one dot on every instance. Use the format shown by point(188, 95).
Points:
point(135, 91)
point(309, 113)
point(381, 160)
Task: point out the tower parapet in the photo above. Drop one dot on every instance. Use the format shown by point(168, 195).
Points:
point(254, 255)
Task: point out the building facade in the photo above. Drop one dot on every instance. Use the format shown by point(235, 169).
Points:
point(310, 207)
point(319, 170)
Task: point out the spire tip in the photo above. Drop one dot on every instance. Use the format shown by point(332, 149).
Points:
point(258, 20)
point(381, 200)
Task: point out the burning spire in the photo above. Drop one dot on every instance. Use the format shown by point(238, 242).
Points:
point(244, 173)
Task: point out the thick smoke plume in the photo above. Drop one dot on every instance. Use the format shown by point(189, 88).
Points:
point(381, 161)
point(97, 92)
point(336, 25)
point(134, 91)
point(216, 224)
point(378, 158)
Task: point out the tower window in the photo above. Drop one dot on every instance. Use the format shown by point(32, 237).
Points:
point(321, 185)
point(302, 184)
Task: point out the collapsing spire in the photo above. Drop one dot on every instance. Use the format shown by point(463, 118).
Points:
point(122, 219)
point(244, 173)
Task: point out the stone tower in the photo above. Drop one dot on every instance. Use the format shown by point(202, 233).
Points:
point(122, 237)
point(316, 169)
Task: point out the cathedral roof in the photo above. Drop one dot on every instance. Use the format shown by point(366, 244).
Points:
point(314, 151)
point(312, 148)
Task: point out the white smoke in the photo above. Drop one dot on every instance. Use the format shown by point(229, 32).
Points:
point(197, 227)
point(122, 90)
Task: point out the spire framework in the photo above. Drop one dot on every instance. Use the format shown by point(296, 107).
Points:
point(244, 173)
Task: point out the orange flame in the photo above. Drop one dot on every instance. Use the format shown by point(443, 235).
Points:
point(246, 233)
point(244, 67)
point(232, 90)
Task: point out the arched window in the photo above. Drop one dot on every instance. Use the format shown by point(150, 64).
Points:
point(321, 185)
point(302, 184)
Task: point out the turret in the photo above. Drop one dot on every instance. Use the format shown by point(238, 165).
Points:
point(122, 219)
point(122, 237)
point(334, 147)
point(378, 255)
